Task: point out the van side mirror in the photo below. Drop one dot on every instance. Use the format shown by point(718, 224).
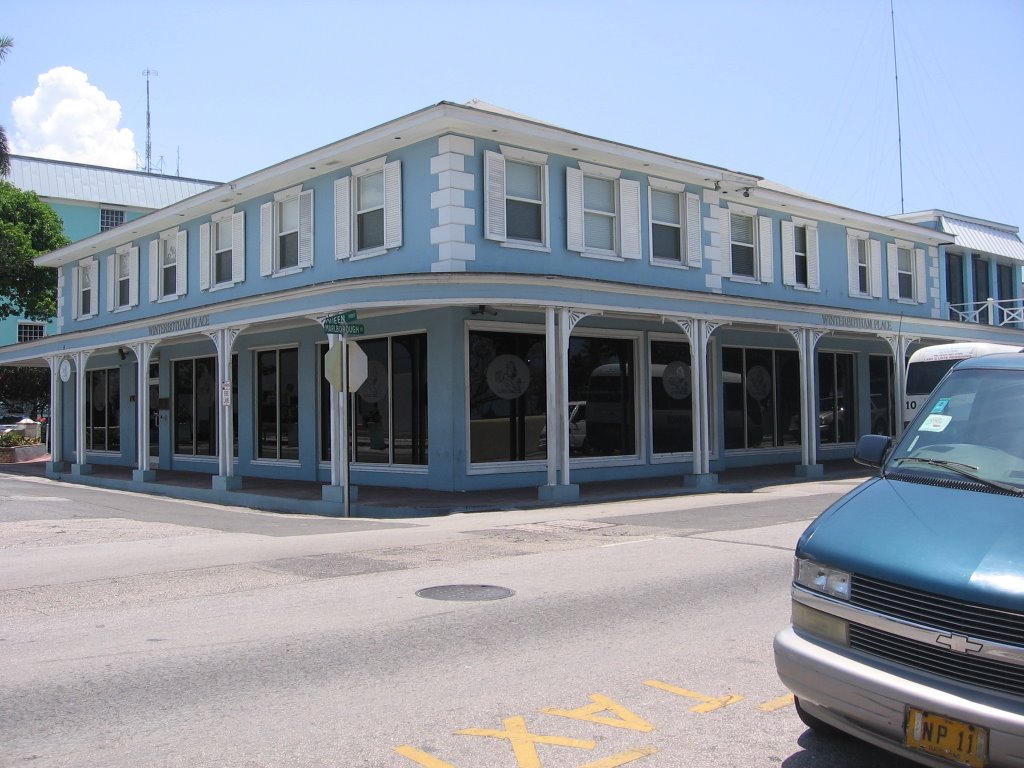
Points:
point(871, 449)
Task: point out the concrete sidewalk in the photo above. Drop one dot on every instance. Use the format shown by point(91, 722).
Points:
point(385, 502)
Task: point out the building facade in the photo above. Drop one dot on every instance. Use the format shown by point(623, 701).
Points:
point(522, 305)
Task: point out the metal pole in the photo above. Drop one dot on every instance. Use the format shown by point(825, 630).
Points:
point(344, 426)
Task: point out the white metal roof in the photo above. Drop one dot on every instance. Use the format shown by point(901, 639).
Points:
point(58, 179)
point(987, 238)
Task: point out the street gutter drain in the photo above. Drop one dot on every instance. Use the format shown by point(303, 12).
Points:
point(465, 592)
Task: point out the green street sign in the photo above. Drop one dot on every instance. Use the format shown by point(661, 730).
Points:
point(342, 323)
point(350, 316)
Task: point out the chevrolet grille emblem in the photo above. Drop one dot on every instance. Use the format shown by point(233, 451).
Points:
point(959, 643)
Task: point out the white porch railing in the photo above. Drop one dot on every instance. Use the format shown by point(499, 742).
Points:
point(990, 312)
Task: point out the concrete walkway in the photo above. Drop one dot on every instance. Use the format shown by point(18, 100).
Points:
point(383, 502)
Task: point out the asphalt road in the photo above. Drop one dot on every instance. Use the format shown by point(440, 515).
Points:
point(137, 631)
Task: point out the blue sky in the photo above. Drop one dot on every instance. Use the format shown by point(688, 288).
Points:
point(797, 91)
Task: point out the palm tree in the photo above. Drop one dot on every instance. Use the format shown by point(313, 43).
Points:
point(6, 43)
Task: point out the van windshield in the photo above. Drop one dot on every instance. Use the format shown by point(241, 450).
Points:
point(973, 426)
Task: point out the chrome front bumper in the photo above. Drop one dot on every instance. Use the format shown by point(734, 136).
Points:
point(870, 703)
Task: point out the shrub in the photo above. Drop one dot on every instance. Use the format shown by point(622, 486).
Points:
point(14, 439)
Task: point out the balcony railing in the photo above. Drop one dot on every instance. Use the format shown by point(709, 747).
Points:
point(990, 312)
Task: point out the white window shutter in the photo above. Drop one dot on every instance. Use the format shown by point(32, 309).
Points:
point(919, 276)
point(133, 277)
point(94, 281)
point(876, 268)
point(306, 228)
point(205, 256)
point(766, 249)
point(694, 256)
point(393, 204)
point(788, 253)
point(813, 272)
point(725, 237)
point(892, 257)
point(574, 240)
point(110, 264)
point(181, 264)
point(266, 239)
point(852, 266)
point(342, 218)
point(238, 247)
point(76, 299)
point(154, 270)
point(629, 214)
point(494, 196)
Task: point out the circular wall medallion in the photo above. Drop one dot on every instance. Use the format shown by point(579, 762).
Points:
point(676, 380)
point(508, 377)
point(759, 382)
point(65, 370)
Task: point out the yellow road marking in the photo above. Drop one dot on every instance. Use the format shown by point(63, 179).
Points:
point(624, 718)
point(709, 703)
point(523, 742)
point(625, 757)
point(779, 703)
point(422, 758)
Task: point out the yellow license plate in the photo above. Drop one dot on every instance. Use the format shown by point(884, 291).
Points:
point(952, 739)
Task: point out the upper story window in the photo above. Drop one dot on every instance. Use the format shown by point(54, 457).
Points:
point(800, 254)
point(515, 203)
point(906, 272)
point(30, 331)
point(286, 232)
point(168, 265)
point(675, 224)
point(368, 210)
point(603, 212)
point(864, 264)
point(84, 279)
point(110, 218)
point(222, 250)
point(749, 244)
point(123, 278)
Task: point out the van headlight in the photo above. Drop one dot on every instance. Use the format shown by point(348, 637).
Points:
point(821, 578)
point(820, 624)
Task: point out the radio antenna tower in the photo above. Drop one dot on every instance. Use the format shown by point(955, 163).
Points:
point(896, 72)
point(147, 73)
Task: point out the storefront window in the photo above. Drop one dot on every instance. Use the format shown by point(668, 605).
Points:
point(389, 409)
point(103, 410)
point(761, 397)
point(507, 397)
point(195, 407)
point(277, 410)
point(837, 401)
point(671, 401)
point(602, 377)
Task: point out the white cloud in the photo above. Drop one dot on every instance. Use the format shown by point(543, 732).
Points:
point(67, 118)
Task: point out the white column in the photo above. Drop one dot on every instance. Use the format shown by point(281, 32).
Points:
point(898, 345)
point(806, 342)
point(551, 346)
point(80, 467)
point(224, 340)
point(53, 428)
point(143, 354)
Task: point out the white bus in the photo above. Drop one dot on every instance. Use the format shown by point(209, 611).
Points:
point(929, 364)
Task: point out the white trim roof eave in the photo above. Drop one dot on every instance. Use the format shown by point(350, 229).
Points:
point(438, 119)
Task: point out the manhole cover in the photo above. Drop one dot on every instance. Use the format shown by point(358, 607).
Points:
point(465, 592)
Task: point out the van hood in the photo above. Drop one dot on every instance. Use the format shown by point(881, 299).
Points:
point(963, 544)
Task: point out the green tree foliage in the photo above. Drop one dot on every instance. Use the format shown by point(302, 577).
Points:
point(6, 43)
point(28, 227)
point(25, 389)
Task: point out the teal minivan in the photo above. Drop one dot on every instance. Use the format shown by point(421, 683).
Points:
point(907, 626)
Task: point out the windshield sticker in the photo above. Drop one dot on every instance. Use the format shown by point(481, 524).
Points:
point(941, 405)
point(935, 423)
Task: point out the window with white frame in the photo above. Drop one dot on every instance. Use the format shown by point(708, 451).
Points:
point(515, 202)
point(84, 279)
point(603, 212)
point(864, 263)
point(30, 332)
point(675, 224)
point(906, 272)
point(123, 278)
point(110, 218)
point(800, 254)
point(368, 210)
point(286, 232)
point(168, 265)
point(749, 243)
point(222, 250)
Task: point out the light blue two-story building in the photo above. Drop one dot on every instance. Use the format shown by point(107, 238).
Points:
point(529, 307)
